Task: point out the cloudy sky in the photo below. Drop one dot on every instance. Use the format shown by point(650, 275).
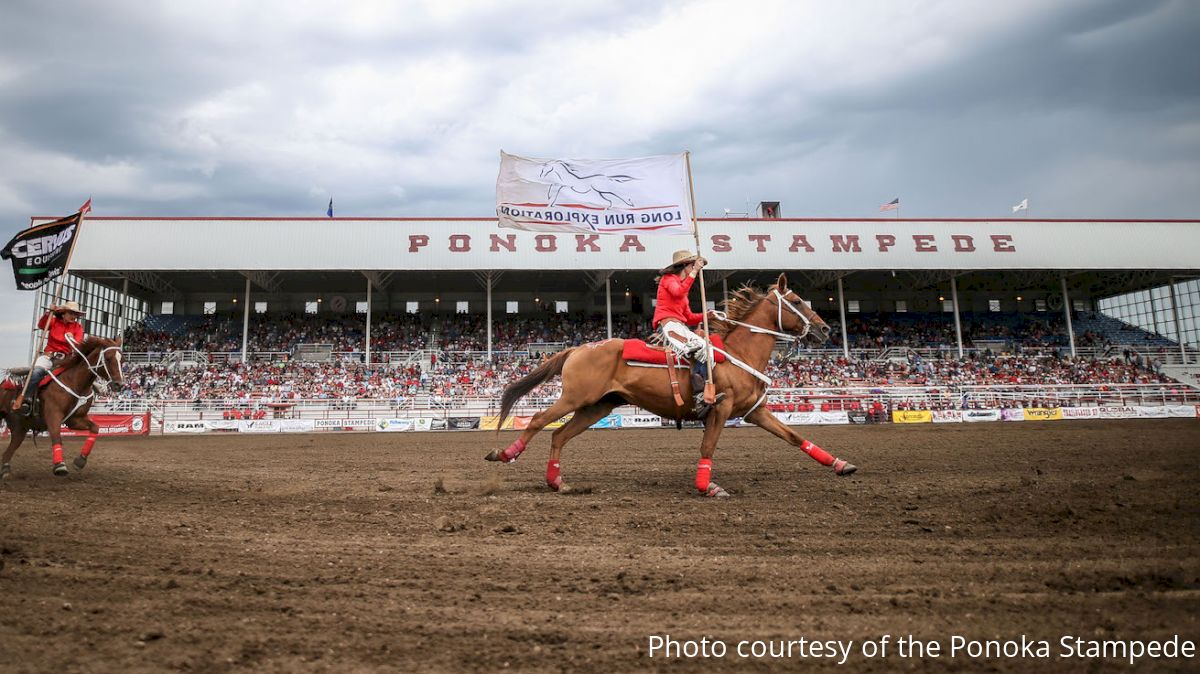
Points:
point(1088, 108)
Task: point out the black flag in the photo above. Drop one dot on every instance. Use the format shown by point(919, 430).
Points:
point(40, 253)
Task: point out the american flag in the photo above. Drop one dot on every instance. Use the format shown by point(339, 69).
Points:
point(891, 205)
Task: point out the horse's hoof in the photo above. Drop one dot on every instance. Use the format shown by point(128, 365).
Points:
point(6, 471)
point(844, 468)
point(60, 469)
point(493, 455)
point(80, 462)
point(715, 491)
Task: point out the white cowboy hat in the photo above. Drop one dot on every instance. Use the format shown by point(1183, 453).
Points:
point(680, 257)
point(72, 307)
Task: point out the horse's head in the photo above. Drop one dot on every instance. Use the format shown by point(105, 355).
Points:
point(795, 315)
point(551, 168)
point(105, 362)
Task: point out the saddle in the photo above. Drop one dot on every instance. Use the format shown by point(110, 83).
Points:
point(638, 351)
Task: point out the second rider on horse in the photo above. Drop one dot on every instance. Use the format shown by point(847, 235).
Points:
point(673, 315)
point(65, 331)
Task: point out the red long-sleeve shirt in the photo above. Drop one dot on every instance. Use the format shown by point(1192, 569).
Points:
point(673, 301)
point(59, 329)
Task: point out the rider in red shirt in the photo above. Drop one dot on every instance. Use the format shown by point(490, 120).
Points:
point(673, 316)
point(65, 330)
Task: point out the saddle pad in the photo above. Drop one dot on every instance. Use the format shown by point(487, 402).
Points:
point(10, 384)
point(639, 351)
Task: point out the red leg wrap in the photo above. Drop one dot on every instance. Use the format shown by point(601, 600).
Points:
point(552, 474)
point(704, 474)
point(56, 454)
point(514, 450)
point(87, 445)
point(822, 456)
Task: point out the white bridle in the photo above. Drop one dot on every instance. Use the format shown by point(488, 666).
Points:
point(781, 302)
point(101, 363)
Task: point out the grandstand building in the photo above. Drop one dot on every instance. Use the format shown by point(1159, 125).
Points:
point(943, 289)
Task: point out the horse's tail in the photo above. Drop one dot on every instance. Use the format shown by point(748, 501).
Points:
point(521, 387)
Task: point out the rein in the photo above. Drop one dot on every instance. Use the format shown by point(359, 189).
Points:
point(103, 379)
point(779, 334)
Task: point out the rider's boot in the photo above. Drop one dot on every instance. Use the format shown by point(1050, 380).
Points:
point(699, 378)
point(31, 391)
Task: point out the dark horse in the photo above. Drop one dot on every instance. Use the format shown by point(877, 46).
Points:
point(596, 378)
point(66, 399)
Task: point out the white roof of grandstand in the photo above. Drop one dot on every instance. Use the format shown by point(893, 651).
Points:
point(472, 244)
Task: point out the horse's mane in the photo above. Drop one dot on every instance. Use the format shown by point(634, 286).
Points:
point(739, 305)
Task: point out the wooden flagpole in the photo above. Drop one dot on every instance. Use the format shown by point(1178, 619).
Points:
point(57, 298)
point(709, 388)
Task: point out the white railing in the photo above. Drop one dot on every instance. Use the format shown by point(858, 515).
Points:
point(927, 397)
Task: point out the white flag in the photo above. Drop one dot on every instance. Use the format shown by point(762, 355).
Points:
point(1023, 206)
point(646, 195)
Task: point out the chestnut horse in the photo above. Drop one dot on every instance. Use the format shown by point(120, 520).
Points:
point(596, 378)
point(65, 400)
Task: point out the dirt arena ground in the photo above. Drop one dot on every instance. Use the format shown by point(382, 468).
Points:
point(407, 552)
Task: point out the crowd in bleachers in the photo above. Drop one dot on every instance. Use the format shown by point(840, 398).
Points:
point(282, 333)
point(447, 380)
point(282, 378)
point(975, 370)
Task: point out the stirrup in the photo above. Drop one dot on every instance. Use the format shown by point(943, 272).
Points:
point(702, 408)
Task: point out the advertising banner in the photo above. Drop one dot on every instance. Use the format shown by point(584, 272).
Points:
point(258, 425)
point(436, 424)
point(1013, 414)
point(973, 416)
point(947, 416)
point(1081, 412)
point(1117, 412)
point(393, 425)
point(221, 424)
point(640, 421)
point(462, 423)
point(343, 424)
point(184, 427)
point(610, 421)
point(858, 417)
point(1043, 414)
point(296, 426)
point(488, 423)
point(1158, 412)
point(813, 418)
point(117, 424)
point(912, 416)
